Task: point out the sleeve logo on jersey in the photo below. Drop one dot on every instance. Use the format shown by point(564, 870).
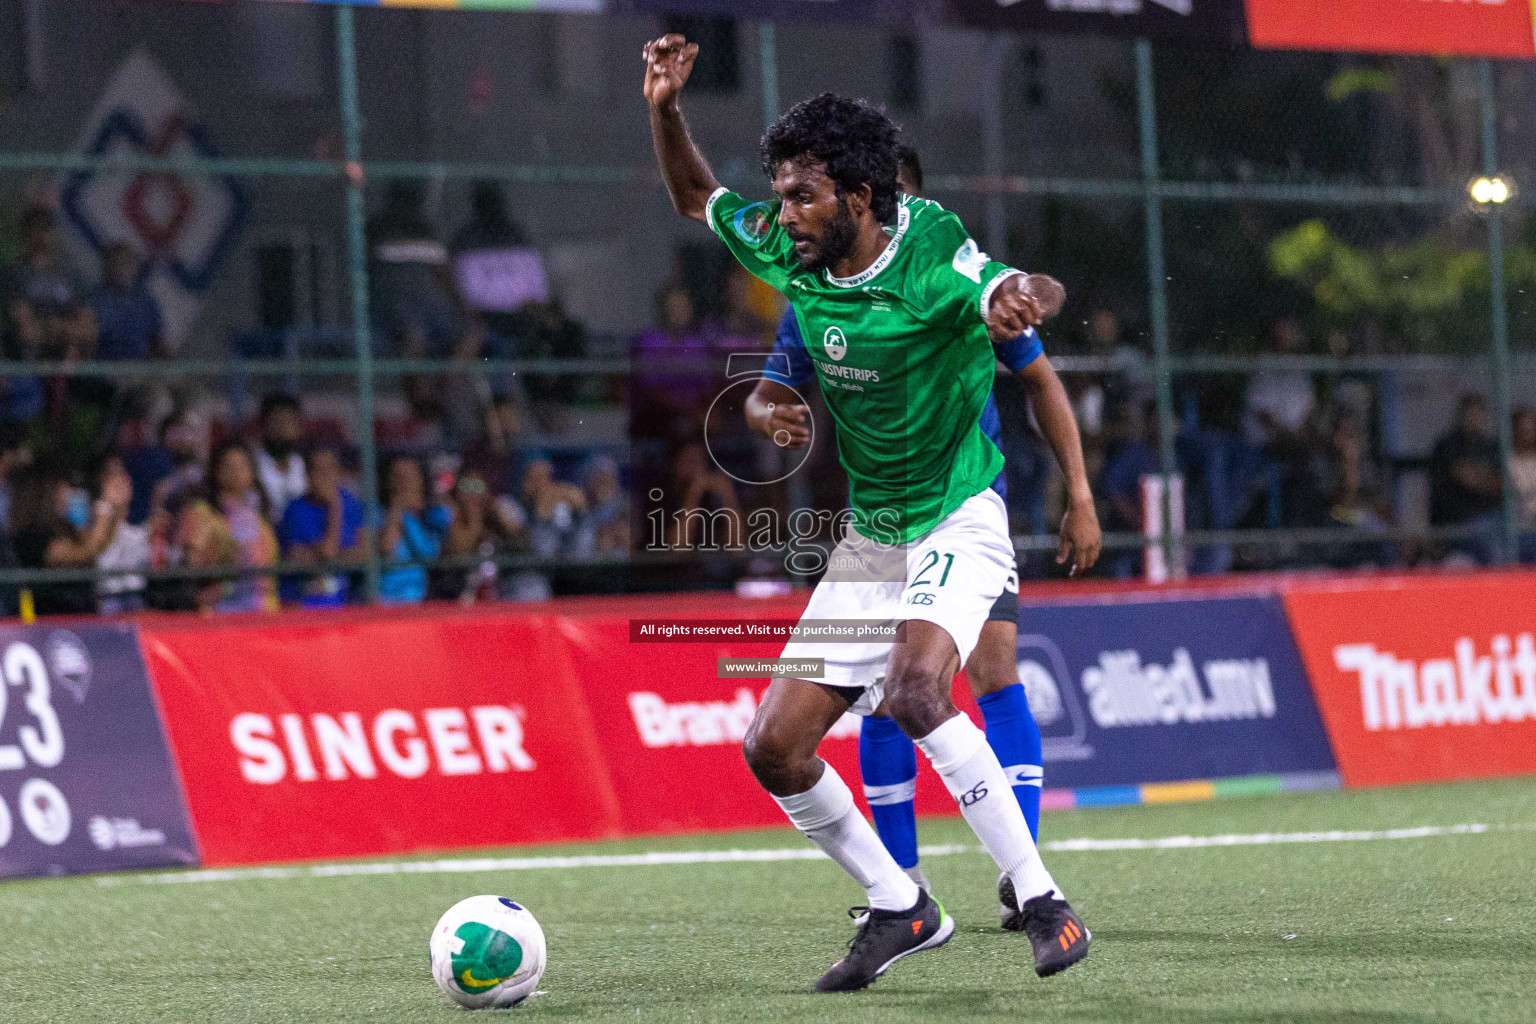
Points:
point(970, 261)
point(835, 342)
point(751, 223)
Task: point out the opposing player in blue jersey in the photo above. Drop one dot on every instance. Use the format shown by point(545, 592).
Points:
point(887, 757)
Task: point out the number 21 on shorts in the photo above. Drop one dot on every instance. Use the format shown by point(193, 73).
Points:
point(929, 563)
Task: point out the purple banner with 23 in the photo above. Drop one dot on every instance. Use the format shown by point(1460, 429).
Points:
point(86, 778)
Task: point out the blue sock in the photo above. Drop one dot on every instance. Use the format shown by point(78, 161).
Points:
point(1015, 737)
point(888, 762)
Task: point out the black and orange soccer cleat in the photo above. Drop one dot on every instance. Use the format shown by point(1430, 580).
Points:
point(1056, 932)
point(884, 937)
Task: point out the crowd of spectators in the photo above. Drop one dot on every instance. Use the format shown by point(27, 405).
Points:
point(176, 504)
point(91, 478)
point(251, 515)
point(1296, 449)
point(483, 295)
point(49, 312)
point(1305, 451)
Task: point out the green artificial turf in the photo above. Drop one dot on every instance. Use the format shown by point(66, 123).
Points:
point(1414, 929)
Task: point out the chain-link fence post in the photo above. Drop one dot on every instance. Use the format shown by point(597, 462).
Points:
point(357, 266)
point(1503, 404)
point(768, 70)
point(1157, 287)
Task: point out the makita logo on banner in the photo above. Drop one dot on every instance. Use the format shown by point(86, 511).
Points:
point(1122, 691)
point(405, 744)
point(1467, 689)
point(707, 723)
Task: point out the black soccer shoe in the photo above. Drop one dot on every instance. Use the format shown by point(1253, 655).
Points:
point(884, 937)
point(915, 873)
point(1008, 905)
point(1056, 932)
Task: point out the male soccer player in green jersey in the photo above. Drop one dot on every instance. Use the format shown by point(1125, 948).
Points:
point(887, 756)
point(903, 307)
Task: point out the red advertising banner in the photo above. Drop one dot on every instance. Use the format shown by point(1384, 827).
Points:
point(671, 731)
point(363, 732)
point(347, 736)
point(356, 734)
point(1423, 679)
point(1471, 28)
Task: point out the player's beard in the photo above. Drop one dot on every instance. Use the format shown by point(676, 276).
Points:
point(835, 243)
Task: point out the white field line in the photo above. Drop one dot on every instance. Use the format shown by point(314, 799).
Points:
point(473, 865)
point(1260, 839)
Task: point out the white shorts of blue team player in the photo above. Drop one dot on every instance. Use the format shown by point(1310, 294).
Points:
point(950, 576)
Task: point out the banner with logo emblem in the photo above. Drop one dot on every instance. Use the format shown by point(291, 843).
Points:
point(86, 781)
point(348, 735)
point(1425, 679)
point(1149, 690)
point(183, 226)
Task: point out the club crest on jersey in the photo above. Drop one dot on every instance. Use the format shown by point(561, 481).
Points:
point(751, 222)
point(970, 261)
point(835, 342)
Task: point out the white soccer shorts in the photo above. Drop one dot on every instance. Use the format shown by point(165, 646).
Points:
point(952, 576)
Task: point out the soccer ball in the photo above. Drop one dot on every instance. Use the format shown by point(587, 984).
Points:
point(487, 951)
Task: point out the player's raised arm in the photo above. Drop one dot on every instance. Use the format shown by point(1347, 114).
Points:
point(668, 63)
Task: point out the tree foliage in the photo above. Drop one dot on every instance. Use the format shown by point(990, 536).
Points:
point(1431, 293)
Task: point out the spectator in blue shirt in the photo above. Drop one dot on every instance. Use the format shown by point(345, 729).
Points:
point(127, 315)
point(326, 524)
point(412, 533)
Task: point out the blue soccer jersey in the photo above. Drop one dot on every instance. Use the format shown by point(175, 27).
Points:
point(790, 364)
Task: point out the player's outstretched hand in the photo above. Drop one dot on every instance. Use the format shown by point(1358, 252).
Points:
point(1080, 537)
point(788, 425)
point(668, 63)
point(1013, 309)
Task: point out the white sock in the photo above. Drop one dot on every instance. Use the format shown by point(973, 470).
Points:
point(976, 779)
point(827, 815)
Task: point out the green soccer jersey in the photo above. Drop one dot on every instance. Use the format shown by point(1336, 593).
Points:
point(902, 355)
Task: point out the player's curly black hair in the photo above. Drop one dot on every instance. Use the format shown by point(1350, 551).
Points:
point(854, 140)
